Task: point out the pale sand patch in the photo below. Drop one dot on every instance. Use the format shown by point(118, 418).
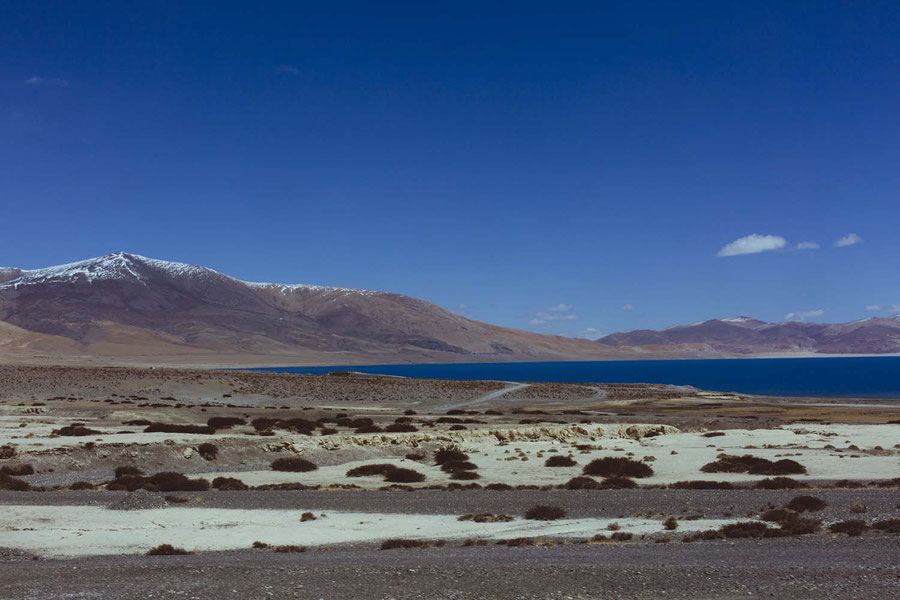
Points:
point(693, 450)
point(59, 531)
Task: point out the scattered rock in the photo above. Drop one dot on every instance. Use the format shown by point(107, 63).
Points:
point(139, 500)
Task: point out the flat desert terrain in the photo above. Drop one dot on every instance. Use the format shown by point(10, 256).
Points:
point(131, 482)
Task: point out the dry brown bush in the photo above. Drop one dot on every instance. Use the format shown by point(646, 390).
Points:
point(294, 464)
point(617, 467)
point(543, 512)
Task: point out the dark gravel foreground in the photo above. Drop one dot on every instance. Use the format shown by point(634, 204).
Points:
point(815, 568)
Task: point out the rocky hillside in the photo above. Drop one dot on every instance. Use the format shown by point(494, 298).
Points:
point(747, 336)
point(123, 305)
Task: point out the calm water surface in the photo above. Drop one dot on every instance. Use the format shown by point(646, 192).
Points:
point(859, 377)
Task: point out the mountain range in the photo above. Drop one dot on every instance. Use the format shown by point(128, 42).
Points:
point(743, 335)
point(125, 308)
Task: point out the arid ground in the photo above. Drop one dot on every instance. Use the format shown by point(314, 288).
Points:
point(261, 485)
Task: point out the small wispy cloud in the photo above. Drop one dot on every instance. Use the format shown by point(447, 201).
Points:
point(850, 239)
point(541, 318)
point(629, 307)
point(463, 309)
point(808, 246)
point(753, 244)
point(590, 333)
point(874, 307)
point(560, 308)
point(290, 69)
point(802, 315)
point(557, 312)
point(46, 81)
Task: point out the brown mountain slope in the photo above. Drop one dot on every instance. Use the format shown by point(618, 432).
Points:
point(129, 308)
point(745, 336)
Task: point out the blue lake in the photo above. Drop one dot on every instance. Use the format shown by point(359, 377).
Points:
point(858, 377)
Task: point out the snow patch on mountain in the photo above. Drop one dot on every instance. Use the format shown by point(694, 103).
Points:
point(125, 266)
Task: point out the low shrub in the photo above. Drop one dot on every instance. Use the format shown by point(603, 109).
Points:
point(729, 463)
point(401, 428)
point(9, 483)
point(670, 524)
point(289, 548)
point(780, 483)
point(174, 482)
point(259, 545)
point(560, 461)
point(372, 470)
point(458, 465)
point(714, 434)
point(82, 485)
point(583, 483)
point(415, 456)
point(618, 483)
point(368, 429)
point(227, 484)
point(543, 512)
point(519, 542)
point(887, 525)
point(621, 536)
point(784, 466)
point(74, 430)
point(464, 475)
point(701, 485)
point(474, 542)
point(850, 527)
point(706, 535)
point(498, 487)
point(293, 464)
point(17, 470)
point(778, 515)
point(128, 470)
point(801, 526)
point(449, 453)
point(177, 499)
point(137, 423)
point(398, 543)
point(617, 467)
point(166, 550)
point(401, 475)
point(263, 423)
point(744, 529)
point(307, 516)
point(225, 422)
point(806, 504)
point(174, 428)
point(208, 451)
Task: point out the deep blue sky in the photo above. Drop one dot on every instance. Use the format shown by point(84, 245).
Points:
point(499, 159)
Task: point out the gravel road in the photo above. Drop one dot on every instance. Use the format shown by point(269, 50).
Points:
point(578, 503)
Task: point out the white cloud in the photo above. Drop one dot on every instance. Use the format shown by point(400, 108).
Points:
point(753, 244)
point(808, 246)
point(291, 69)
point(560, 308)
point(462, 309)
point(46, 81)
point(848, 240)
point(874, 307)
point(629, 307)
point(540, 318)
point(590, 333)
point(802, 315)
